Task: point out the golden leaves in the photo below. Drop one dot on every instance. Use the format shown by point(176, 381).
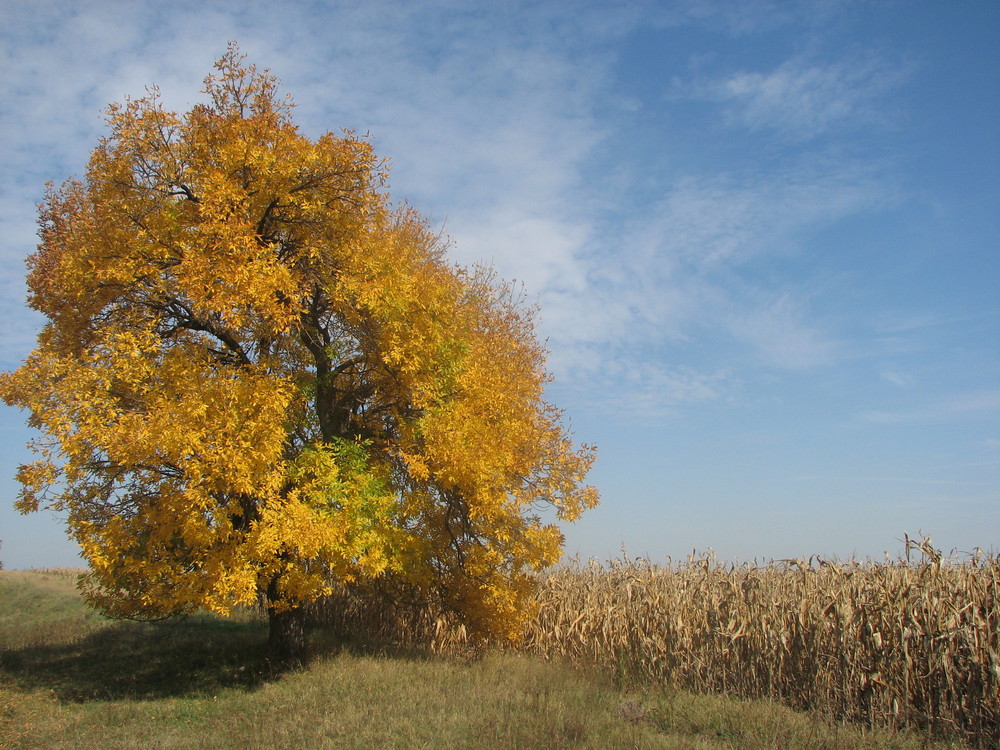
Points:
point(258, 376)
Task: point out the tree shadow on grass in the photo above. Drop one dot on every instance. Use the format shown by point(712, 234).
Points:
point(198, 655)
point(193, 656)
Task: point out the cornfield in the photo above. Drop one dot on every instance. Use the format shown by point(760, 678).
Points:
point(905, 643)
point(898, 643)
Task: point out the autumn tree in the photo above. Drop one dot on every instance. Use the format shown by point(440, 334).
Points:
point(258, 378)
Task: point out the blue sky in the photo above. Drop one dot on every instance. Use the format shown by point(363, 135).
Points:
point(764, 236)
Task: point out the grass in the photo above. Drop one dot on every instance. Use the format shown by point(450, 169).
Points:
point(69, 678)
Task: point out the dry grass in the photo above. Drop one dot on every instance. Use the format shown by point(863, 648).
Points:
point(899, 644)
point(202, 682)
point(911, 643)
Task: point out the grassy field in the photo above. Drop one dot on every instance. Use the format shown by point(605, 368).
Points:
point(69, 678)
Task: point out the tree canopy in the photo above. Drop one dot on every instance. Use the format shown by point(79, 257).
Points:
point(259, 377)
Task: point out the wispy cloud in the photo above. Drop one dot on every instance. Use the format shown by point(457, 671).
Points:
point(782, 337)
point(646, 390)
point(741, 18)
point(897, 378)
point(978, 404)
point(732, 216)
point(891, 480)
point(491, 127)
point(486, 125)
point(802, 98)
point(691, 267)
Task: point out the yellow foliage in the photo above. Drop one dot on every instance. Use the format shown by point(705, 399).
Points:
point(258, 377)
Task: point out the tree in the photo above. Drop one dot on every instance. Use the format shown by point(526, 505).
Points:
point(259, 378)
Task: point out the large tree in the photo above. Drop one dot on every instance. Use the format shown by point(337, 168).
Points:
point(259, 378)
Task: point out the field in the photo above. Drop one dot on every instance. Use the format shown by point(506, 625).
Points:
point(896, 644)
point(618, 656)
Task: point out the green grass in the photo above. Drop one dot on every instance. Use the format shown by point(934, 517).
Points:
point(70, 679)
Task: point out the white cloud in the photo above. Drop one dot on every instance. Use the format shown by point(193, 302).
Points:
point(538, 251)
point(489, 118)
point(691, 268)
point(802, 99)
point(729, 218)
point(486, 124)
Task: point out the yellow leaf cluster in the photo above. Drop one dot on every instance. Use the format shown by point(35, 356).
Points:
point(259, 378)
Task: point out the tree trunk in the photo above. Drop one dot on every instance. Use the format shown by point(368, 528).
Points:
point(286, 639)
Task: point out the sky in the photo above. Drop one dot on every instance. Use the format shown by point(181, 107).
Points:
point(764, 237)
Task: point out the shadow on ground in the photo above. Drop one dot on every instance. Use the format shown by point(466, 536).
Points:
point(192, 656)
point(197, 655)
